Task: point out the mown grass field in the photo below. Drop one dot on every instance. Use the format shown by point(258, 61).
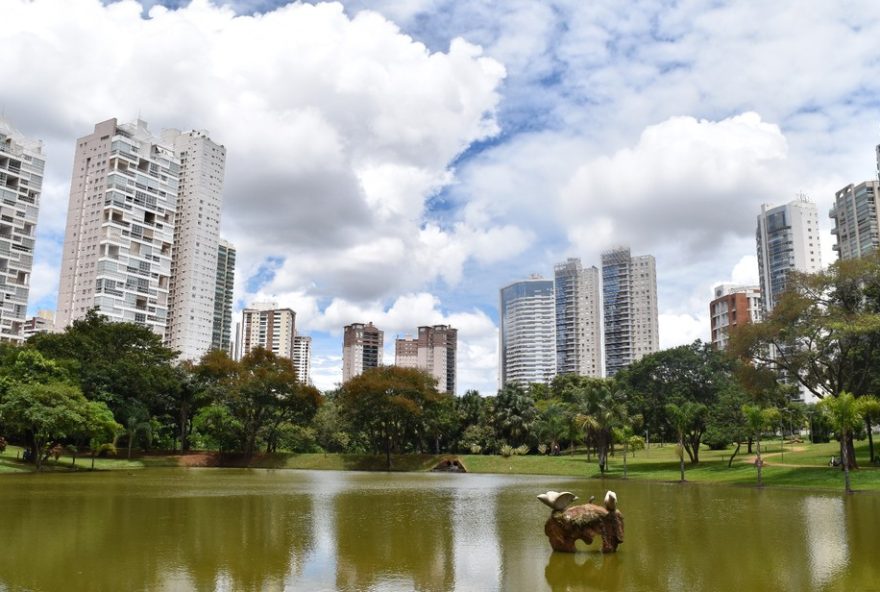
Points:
point(798, 464)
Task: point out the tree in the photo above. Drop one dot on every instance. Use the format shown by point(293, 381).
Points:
point(218, 424)
point(387, 405)
point(758, 420)
point(846, 414)
point(602, 409)
point(824, 333)
point(515, 414)
point(684, 420)
point(112, 362)
point(694, 373)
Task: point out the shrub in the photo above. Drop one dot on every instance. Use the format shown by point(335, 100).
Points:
point(2, 444)
point(475, 449)
point(506, 450)
point(716, 439)
point(105, 450)
point(521, 450)
point(542, 448)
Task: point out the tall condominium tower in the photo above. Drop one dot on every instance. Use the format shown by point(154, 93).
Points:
point(434, 351)
point(361, 349)
point(221, 335)
point(787, 240)
point(856, 221)
point(302, 358)
point(629, 289)
point(196, 235)
point(578, 320)
point(733, 306)
point(527, 333)
point(120, 227)
point(21, 183)
point(265, 325)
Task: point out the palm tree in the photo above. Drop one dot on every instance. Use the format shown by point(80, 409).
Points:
point(758, 420)
point(604, 411)
point(682, 417)
point(846, 413)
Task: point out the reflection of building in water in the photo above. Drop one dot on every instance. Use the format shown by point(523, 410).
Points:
point(475, 546)
point(825, 537)
point(394, 541)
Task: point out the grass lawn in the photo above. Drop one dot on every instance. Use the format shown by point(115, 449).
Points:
point(805, 465)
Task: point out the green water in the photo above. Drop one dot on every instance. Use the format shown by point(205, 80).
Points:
point(204, 529)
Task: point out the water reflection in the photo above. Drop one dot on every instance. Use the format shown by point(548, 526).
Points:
point(285, 530)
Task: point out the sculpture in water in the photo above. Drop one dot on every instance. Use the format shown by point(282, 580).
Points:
point(568, 524)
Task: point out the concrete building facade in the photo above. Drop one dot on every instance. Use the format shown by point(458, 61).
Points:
point(787, 239)
point(527, 335)
point(302, 358)
point(434, 350)
point(120, 227)
point(265, 325)
point(362, 349)
point(224, 285)
point(733, 306)
point(192, 286)
point(21, 184)
point(856, 222)
point(578, 319)
point(629, 291)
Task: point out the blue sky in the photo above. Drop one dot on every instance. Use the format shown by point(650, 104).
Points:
point(398, 161)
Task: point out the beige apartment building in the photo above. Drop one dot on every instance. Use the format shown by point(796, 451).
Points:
point(192, 288)
point(21, 184)
point(434, 351)
point(265, 325)
point(120, 227)
point(362, 349)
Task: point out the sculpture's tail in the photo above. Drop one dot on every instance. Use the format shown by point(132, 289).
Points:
point(557, 500)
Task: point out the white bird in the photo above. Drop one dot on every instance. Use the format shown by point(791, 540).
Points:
point(557, 500)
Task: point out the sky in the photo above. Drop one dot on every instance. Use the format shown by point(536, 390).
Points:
point(398, 161)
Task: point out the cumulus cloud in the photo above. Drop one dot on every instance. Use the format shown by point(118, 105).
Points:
point(685, 178)
point(337, 128)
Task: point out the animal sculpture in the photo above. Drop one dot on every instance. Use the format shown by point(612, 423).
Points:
point(569, 523)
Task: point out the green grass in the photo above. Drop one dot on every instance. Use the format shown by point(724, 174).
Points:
point(805, 465)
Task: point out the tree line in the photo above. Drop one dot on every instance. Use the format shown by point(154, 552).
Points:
point(113, 388)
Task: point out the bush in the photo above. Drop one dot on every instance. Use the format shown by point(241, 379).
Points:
point(542, 448)
point(106, 450)
point(475, 449)
point(716, 439)
point(506, 450)
point(521, 450)
point(2, 444)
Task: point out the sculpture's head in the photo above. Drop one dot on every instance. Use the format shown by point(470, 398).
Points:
point(610, 501)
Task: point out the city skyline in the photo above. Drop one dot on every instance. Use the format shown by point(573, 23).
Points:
point(500, 139)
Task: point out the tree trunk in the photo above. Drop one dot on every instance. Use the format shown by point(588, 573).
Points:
point(732, 456)
point(130, 440)
point(870, 440)
point(388, 453)
point(749, 449)
point(624, 458)
point(851, 461)
point(93, 460)
point(845, 458)
point(759, 464)
point(184, 437)
point(681, 458)
point(38, 457)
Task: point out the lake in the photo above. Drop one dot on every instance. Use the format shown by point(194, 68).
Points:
point(239, 530)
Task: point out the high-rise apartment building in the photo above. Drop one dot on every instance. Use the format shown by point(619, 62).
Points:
point(265, 325)
point(629, 290)
point(302, 358)
point(856, 222)
point(527, 336)
point(434, 351)
point(196, 235)
point(406, 352)
point(578, 319)
point(733, 306)
point(221, 335)
point(787, 240)
point(21, 184)
point(362, 349)
point(120, 227)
